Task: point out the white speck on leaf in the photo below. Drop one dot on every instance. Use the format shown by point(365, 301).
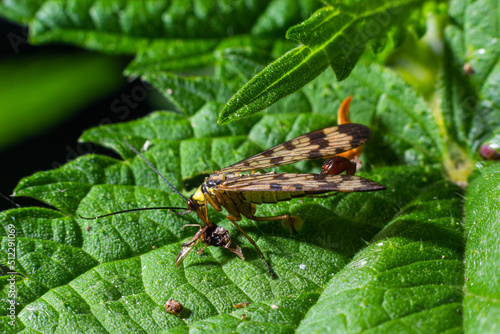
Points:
point(146, 145)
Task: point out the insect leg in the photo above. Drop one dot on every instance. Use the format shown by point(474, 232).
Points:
point(290, 219)
point(196, 237)
point(201, 250)
point(213, 203)
point(233, 220)
point(193, 225)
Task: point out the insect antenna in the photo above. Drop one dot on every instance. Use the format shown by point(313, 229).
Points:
point(186, 210)
point(10, 200)
point(155, 170)
point(139, 209)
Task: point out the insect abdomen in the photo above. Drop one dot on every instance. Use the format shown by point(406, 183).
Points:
point(259, 197)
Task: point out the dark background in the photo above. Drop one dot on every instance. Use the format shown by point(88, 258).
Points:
point(31, 154)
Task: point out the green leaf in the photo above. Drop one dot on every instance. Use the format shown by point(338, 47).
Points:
point(404, 129)
point(174, 55)
point(474, 40)
point(189, 38)
point(235, 60)
point(482, 253)
point(334, 36)
point(398, 260)
point(72, 80)
point(191, 55)
point(131, 273)
point(410, 273)
point(115, 26)
point(170, 134)
point(137, 253)
point(20, 11)
point(188, 94)
point(276, 81)
point(469, 112)
point(47, 247)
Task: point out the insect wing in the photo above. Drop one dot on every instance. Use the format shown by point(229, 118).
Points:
point(187, 248)
point(308, 183)
point(323, 143)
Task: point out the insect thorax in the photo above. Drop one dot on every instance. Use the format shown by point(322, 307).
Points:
point(209, 186)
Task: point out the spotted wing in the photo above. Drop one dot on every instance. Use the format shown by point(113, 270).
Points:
point(291, 182)
point(323, 143)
